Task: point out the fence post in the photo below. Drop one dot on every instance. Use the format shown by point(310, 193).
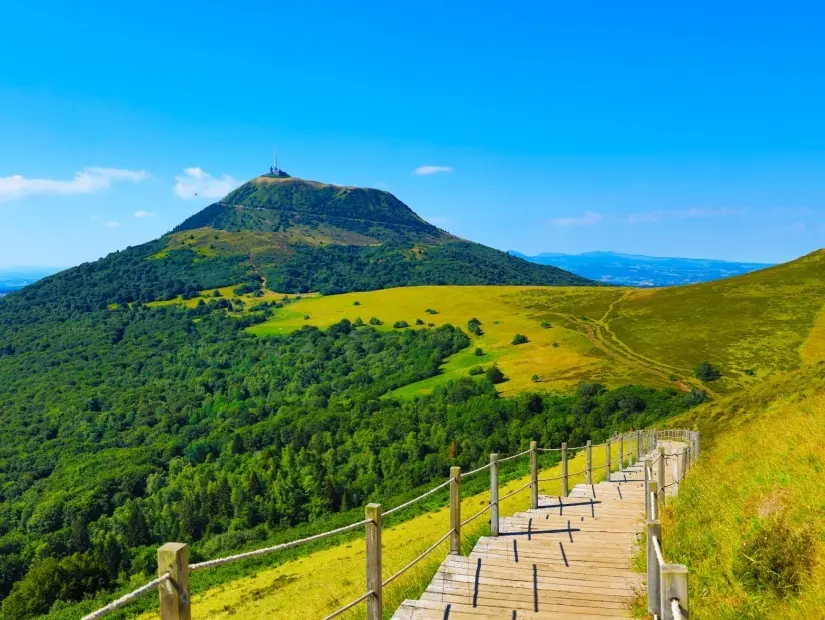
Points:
point(683, 465)
point(173, 558)
point(639, 452)
point(655, 440)
point(660, 474)
point(621, 452)
point(647, 487)
point(375, 603)
point(673, 584)
point(588, 451)
point(494, 494)
point(607, 455)
point(455, 510)
point(631, 452)
point(654, 507)
point(698, 444)
point(654, 528)
point(534, 476)
point(564, 485)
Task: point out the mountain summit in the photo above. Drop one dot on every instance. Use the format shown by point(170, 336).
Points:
point(291, 235)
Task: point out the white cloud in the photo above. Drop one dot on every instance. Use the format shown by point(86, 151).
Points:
point(588, 219)
point(658, 215)
point(426, 170)
point(195, 182)
point(112, 224)
point(84, 182)
point(141, 214)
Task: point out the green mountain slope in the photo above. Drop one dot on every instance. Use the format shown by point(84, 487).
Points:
point(291, 235)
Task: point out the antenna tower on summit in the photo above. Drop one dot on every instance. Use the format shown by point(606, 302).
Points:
point(273, 169)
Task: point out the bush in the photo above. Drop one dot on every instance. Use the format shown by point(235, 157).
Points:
point(374, 321)
point(419, 322)
point(750, 372)
point(546, 325)
point(519, 339)
point(356, 303)
point(476, 370)
point(479, 352)
point(474, 327)
point(534, 378)
point(706, 372)
point(431, 311)
point(400, 324)
point(358, 322)
point(555, 345)
point(777, 553)
point(495, 375)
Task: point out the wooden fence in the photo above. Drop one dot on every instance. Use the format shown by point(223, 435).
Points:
point(667, 584)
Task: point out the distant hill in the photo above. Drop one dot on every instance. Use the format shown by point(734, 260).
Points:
point(12, 279)
point(291, 235)
point(644, 271)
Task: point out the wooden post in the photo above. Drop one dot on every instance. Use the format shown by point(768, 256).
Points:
point(660, 474)
point(655, 506)
point(375, 603)
point(698, 443)
point(655, 440)
point(494, 494)
point(676, 473)
point(173, 558)
point(534, 476)
point(564, 482)
point(647, 487)
point(607, 456)
point(673, 584)
point(654, 595)
point(639, 452)
point(455, 510)
point(588, 451)
point(683, 465)
point(621, 453)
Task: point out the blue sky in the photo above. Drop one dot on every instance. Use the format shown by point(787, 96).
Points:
point(560, 127)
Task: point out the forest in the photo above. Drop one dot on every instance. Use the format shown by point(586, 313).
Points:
point(129, 427)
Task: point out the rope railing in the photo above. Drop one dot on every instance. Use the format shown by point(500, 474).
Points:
point(667, 584)
point(419, 498)
point(128, 598)
point(173, 558)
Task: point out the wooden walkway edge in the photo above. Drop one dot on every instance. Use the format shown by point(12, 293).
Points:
point(569, 558)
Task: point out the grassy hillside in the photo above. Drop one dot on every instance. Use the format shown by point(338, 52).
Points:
point(749, 518)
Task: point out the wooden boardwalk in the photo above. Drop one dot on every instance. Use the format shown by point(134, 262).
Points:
point(569, 558)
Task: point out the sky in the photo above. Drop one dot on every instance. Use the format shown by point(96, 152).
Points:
point(644, 127)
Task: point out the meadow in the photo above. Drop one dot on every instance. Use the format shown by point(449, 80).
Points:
point(748, 519)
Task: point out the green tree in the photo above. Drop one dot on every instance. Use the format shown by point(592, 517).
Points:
point(706, 372)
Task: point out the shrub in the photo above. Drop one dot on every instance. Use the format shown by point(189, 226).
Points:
point(519, 339)
point(706, 372)
point(216, 293)
point(476, 370)
point(555, 345)
point(750, 372)
point(374, 321)
point(419, 322)
point(546, 325)
point(474, 327)
point(400, 324)
point(495, 375)
point(776, 554)
point(534, 378)
point(306, 317)
point(430, 324)
point(358, 322)
point(356, 303)
point(479, 352)
point(431, 311)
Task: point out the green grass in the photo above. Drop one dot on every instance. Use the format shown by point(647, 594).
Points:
point(749, 518)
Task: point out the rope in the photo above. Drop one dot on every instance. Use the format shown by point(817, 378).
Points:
point(350, 605)
point(549, 449)
point(658, 549)
point(289, 545)
point(475, 471)
point(509, 458)
point(416, 560)
point(420, 497)
point(549, 479)
point(476, 515)
point(511, 493)
point(127, 598)
point(675, 609)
